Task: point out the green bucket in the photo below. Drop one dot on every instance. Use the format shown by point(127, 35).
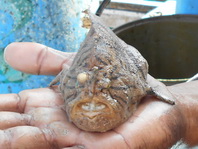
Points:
point(169, 44)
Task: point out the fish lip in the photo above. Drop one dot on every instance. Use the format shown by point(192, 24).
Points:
point(99, 123)
point(91, 115)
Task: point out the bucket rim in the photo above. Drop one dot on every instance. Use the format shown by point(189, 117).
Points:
point(153, 20)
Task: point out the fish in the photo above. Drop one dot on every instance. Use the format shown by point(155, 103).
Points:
point(106, 81)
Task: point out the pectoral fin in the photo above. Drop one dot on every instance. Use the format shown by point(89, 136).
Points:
point(159, 90)
point(57, 78)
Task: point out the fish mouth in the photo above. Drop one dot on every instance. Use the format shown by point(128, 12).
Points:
point(95, 115)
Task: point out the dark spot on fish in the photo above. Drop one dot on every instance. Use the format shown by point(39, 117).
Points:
point(100, 60)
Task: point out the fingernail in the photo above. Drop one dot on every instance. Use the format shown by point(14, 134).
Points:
point(4, 54)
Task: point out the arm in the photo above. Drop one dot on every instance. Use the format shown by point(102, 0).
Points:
point(187, 100)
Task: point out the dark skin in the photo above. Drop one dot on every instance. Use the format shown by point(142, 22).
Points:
point(35, 118)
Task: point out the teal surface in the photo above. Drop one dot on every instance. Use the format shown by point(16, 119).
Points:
point(187, 7)
point(56, 24)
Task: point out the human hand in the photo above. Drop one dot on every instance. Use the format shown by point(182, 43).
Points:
point(35, 118)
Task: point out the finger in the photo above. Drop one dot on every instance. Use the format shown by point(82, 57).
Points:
point(30, 99)
point(25, 137)
point(39, 117)
point(11, 102)
point(12, 119)
point(44, 116)
point(36, 58)
point(35, 138)
point(41, 97)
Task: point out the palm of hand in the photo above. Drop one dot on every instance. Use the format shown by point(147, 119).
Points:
point(38, 116)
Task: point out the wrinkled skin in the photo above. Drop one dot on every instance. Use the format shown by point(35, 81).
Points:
point(36, 115)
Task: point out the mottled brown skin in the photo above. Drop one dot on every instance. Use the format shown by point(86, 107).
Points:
point(115, 83)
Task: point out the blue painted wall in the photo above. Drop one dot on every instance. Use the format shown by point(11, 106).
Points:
point(55, 23)
point(187, 7)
